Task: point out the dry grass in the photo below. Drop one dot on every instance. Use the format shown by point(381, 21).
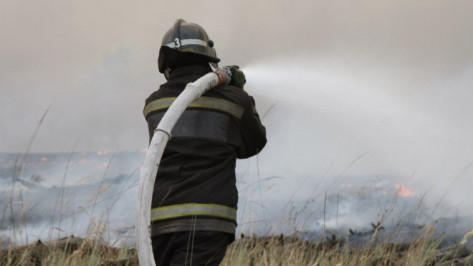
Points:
point(250, 251)
point(286, 251)
point(68, 251)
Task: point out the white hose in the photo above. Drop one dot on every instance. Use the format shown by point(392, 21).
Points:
point(153, 157)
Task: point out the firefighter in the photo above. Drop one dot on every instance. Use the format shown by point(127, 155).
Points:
point(194, 205)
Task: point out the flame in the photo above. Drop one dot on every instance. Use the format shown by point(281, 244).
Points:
point(144, 150)
point(403, 191)
point(102, 165)
point(100, 153)
point(43, 160)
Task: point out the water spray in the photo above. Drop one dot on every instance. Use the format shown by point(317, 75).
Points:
point(162, 133)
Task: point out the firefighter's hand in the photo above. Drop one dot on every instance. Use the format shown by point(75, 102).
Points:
point(238, 77)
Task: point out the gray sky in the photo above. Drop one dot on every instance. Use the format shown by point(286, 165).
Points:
point(391, 79)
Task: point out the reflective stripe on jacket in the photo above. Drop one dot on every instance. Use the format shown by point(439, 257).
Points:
point(204, 102)
point(191, 209)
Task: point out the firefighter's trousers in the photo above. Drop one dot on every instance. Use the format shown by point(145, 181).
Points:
point(190, 248)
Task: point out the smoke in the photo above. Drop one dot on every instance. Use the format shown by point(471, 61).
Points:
point(98, 189)
point(95, 192)
point(93, 65)
point(323, 115)
point(346, 91)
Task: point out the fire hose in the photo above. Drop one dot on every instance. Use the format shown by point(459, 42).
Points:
point(162, 134)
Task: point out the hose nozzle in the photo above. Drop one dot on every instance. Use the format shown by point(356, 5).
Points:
point(224, 75)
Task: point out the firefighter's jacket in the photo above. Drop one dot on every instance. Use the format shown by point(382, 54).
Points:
point(195, 185)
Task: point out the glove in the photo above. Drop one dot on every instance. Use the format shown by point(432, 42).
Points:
point(238, 77)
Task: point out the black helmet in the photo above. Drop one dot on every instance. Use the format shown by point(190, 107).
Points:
point(186, 38)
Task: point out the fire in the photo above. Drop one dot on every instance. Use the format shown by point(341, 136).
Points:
point(102, 165)
point(100, 153)
point(403, 191)
point(43, 160)
point(144, 150)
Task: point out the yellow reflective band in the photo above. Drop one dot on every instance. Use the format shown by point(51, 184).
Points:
point(203, 102)
point(159, 104)
point(190, 209)
point(219, 104)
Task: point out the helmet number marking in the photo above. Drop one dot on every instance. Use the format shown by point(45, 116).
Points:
point(177, 43)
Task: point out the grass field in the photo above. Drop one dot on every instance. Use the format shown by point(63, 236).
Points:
point(276, 250)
